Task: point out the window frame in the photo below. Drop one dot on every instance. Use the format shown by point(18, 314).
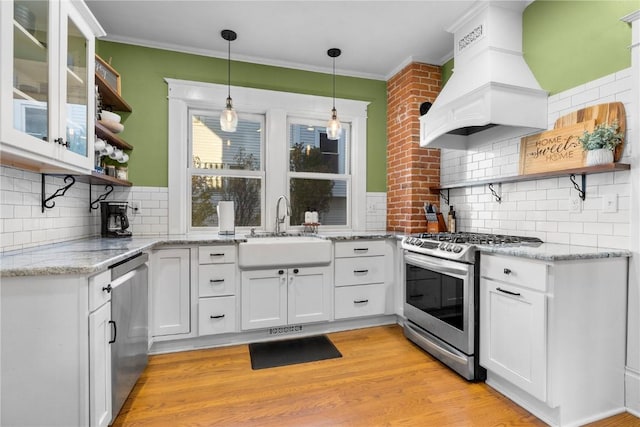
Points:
point(224, 173)
point(346, 176)
point(276, 107)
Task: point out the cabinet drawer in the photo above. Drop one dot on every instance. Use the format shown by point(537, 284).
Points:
point(217, 254)
point(359, 248)
point(362, 300)
point(516, 271)
point(216, 315)
point(97, 296)
point(216, 280)
point(359, 270)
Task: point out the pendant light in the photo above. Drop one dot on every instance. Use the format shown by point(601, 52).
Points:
point(229, 117)
point(334, 128)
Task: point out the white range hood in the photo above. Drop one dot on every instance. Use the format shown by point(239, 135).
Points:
point(492, 93)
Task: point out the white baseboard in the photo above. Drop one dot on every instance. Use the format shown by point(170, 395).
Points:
point(210, 341)
point(632, 391)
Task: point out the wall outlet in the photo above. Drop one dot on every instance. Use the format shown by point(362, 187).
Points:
point(371, 208)
point(610, 203)
point(575, 204)
point(135, 207)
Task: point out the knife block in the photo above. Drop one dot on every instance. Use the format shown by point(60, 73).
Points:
point(438, 226)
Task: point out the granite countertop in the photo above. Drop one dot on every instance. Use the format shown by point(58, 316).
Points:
point(94, 255)
point(555, 252)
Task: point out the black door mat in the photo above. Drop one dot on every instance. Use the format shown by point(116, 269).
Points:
point(293, 351)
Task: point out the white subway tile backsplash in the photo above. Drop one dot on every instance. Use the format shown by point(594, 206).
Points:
point(542, 208)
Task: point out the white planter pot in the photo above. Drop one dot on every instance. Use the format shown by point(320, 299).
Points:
point(599, 157)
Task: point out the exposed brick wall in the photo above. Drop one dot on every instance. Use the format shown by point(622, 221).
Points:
point(411, 170)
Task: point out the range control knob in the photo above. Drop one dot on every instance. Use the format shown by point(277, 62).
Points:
point(457, 249)
point(442, 246)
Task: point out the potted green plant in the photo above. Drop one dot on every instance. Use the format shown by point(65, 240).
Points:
point(600, 143)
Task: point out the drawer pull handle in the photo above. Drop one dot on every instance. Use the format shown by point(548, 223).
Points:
point(107, 288)
point(361, 301)
point(507, 271)
point(360, 249)
point(216, 254)
point(416, 296)
point(360, 271)
point(219, 316)
point(216, 280)
point(517, 294)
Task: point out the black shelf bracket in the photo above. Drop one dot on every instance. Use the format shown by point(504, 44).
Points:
point(96, 203)
point(493, 192)
point(446, 198)
point(47, 202)
point(582, 192)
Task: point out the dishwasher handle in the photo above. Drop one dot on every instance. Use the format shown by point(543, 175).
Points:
point(115, 331)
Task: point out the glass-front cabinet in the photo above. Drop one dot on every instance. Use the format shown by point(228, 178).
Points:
point(47, 87)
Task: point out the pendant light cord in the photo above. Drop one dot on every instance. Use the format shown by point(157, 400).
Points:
point(334, 83)
point(229, 69)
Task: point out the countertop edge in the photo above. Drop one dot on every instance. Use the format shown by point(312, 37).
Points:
point(531, 253)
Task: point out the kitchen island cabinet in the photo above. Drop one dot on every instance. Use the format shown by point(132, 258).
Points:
point(552, 334)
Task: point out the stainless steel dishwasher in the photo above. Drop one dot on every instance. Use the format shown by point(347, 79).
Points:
point(130, 325)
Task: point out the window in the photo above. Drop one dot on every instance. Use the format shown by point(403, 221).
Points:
point(318, 173)
point(225, 166)
point(280, 147)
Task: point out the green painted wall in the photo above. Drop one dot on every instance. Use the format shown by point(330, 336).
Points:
point(569, 43)
point(143, 70)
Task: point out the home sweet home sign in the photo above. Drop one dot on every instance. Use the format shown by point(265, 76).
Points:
point(554, 150)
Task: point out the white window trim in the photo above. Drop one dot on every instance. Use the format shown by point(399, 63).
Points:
point(276, 106)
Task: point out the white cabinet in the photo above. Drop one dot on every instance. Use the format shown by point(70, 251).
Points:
point(100, 335)
point(360, 276)
point(276, 297)
point(171, 292)
point(56, 359)
point(47, 91)
point(217, 289)
point(513, 335)
point(552, 334)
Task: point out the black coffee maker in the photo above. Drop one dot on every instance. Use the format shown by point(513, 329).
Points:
point(114, 219)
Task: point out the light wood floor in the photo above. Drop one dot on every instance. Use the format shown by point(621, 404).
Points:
point(381, 380)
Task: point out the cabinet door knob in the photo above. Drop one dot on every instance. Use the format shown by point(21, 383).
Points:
point(280, 271)
point(507, 271)
point(107, 288)
point(296, 271)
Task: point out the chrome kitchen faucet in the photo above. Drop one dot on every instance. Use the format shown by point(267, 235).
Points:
point(279, 219)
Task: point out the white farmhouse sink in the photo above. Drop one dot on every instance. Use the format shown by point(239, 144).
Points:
point(284, 251)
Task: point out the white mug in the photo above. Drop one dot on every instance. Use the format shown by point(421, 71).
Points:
point(124, 158)
point(99, 145)
point(107, 150)
point(116, 155)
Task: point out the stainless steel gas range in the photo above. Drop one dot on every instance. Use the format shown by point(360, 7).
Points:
point(441, 295)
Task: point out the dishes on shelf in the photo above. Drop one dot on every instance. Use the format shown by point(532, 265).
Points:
point(109, 116)
point(114, 127)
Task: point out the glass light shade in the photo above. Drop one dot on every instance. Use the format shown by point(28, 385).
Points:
point(229, 118)
point(334, 128)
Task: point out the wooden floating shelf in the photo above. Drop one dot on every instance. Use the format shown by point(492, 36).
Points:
point(110, 97)
point(99, 178)
point(587, 170)
point(111, 137)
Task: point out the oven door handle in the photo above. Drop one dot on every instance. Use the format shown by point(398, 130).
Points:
point(423, 262)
